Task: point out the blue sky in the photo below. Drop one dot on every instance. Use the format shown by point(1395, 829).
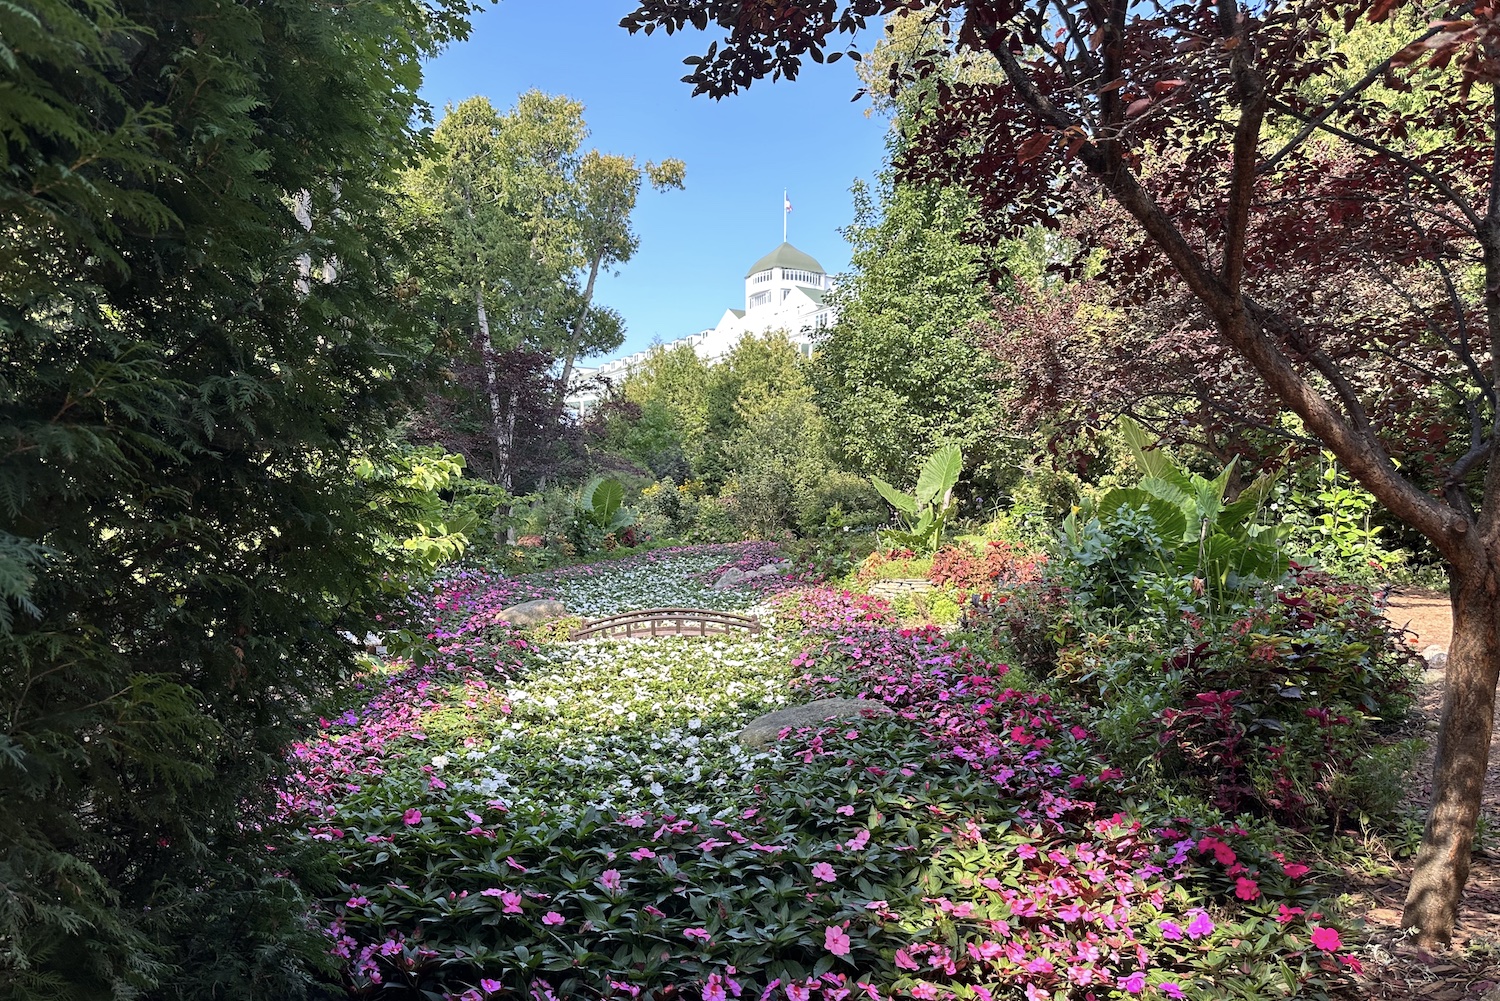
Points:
point(695, 245)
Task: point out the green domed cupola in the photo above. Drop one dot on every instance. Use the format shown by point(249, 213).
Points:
point(786, 256)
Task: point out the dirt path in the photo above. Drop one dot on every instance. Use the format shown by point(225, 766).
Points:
point(1471, 969)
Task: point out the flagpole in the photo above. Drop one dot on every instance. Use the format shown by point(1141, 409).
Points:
point(783, 215)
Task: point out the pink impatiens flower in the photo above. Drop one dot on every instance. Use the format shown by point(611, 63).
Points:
point(610, 880)
point(412, 817)
point(1171, 990)
point(713, 988)
point(1171, 930)
point(823, 871)
point(1200, 926)
point(1135, 983)
point(835, 940)
point(552, 918)
point(1295, 870)
point(700, 934)
point(1326, 939)
point(1246, 889)
point(490, 986)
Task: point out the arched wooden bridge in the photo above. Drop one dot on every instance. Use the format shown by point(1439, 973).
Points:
point(667, 622)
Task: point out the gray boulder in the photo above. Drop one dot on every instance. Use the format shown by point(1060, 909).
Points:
point(762, 731)
point(729, 578)
point(532, 613)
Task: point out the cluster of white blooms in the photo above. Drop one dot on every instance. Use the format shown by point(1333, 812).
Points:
point(625, 724)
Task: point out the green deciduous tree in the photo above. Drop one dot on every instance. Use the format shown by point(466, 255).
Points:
point(487, 199)
point(198, 339)
point(602, 199)
point(898, 375)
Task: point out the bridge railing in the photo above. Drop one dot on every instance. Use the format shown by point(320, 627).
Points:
point(668, 622)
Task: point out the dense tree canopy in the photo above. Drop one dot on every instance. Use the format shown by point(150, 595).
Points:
point(199, 337)
point(899, 374)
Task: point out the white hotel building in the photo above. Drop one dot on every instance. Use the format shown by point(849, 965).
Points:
point(784, 290)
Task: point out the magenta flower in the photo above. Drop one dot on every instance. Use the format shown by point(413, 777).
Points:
point(1171, 990)
point(412, 817)
point(1170, 930)
point(490, 986)
point(713, 989)
point(1246, 889)
point(511, 902)
point(1326, 939)
point(641, 854)
point(610, 880)
point(1135, 983)
point(1200, 926)
point(1295, 870)
point(699, 934)
point(835, 941)
point(552, 918)
point(1035, 993)
point(823, 871)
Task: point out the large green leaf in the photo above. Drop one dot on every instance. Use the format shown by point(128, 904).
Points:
point(600, 498)
point(1167, 519)
point(1245, 507)
point(1153, 461)
point(902, 502)
point(939, 476)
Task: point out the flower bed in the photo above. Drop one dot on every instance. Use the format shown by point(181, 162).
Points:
point(550, 821)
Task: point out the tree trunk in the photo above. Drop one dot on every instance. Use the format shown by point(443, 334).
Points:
point(577, 337)
point(1462, 754)
point(505, 442)
point(492, 390)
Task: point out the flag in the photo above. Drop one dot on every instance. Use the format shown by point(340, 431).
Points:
point(786, 204)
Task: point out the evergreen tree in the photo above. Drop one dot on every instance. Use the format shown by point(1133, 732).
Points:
point(197, 339)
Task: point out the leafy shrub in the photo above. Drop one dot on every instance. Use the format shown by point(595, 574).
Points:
point(1330, 521)
point(1170, 528)
point(715, 522)
point(1274, 706)
point(667, 510)
point(762, 505)
point(840, 500)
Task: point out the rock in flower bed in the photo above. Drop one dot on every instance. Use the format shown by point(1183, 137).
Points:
point(580, 822)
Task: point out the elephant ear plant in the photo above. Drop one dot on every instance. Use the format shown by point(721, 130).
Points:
point(1177, 523)
point(600, 512)
point(924, 513)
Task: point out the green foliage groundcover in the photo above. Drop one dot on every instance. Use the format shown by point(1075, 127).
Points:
point(188, 373)
point(580, 821)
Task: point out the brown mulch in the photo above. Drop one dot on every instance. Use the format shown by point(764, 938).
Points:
point(1470, 970)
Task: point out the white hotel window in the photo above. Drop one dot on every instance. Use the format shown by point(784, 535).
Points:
point(803, 277)
point(759, 299)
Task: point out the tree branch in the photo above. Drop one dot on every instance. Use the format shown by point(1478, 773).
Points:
point(1446, 189)
point(1315, 122)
